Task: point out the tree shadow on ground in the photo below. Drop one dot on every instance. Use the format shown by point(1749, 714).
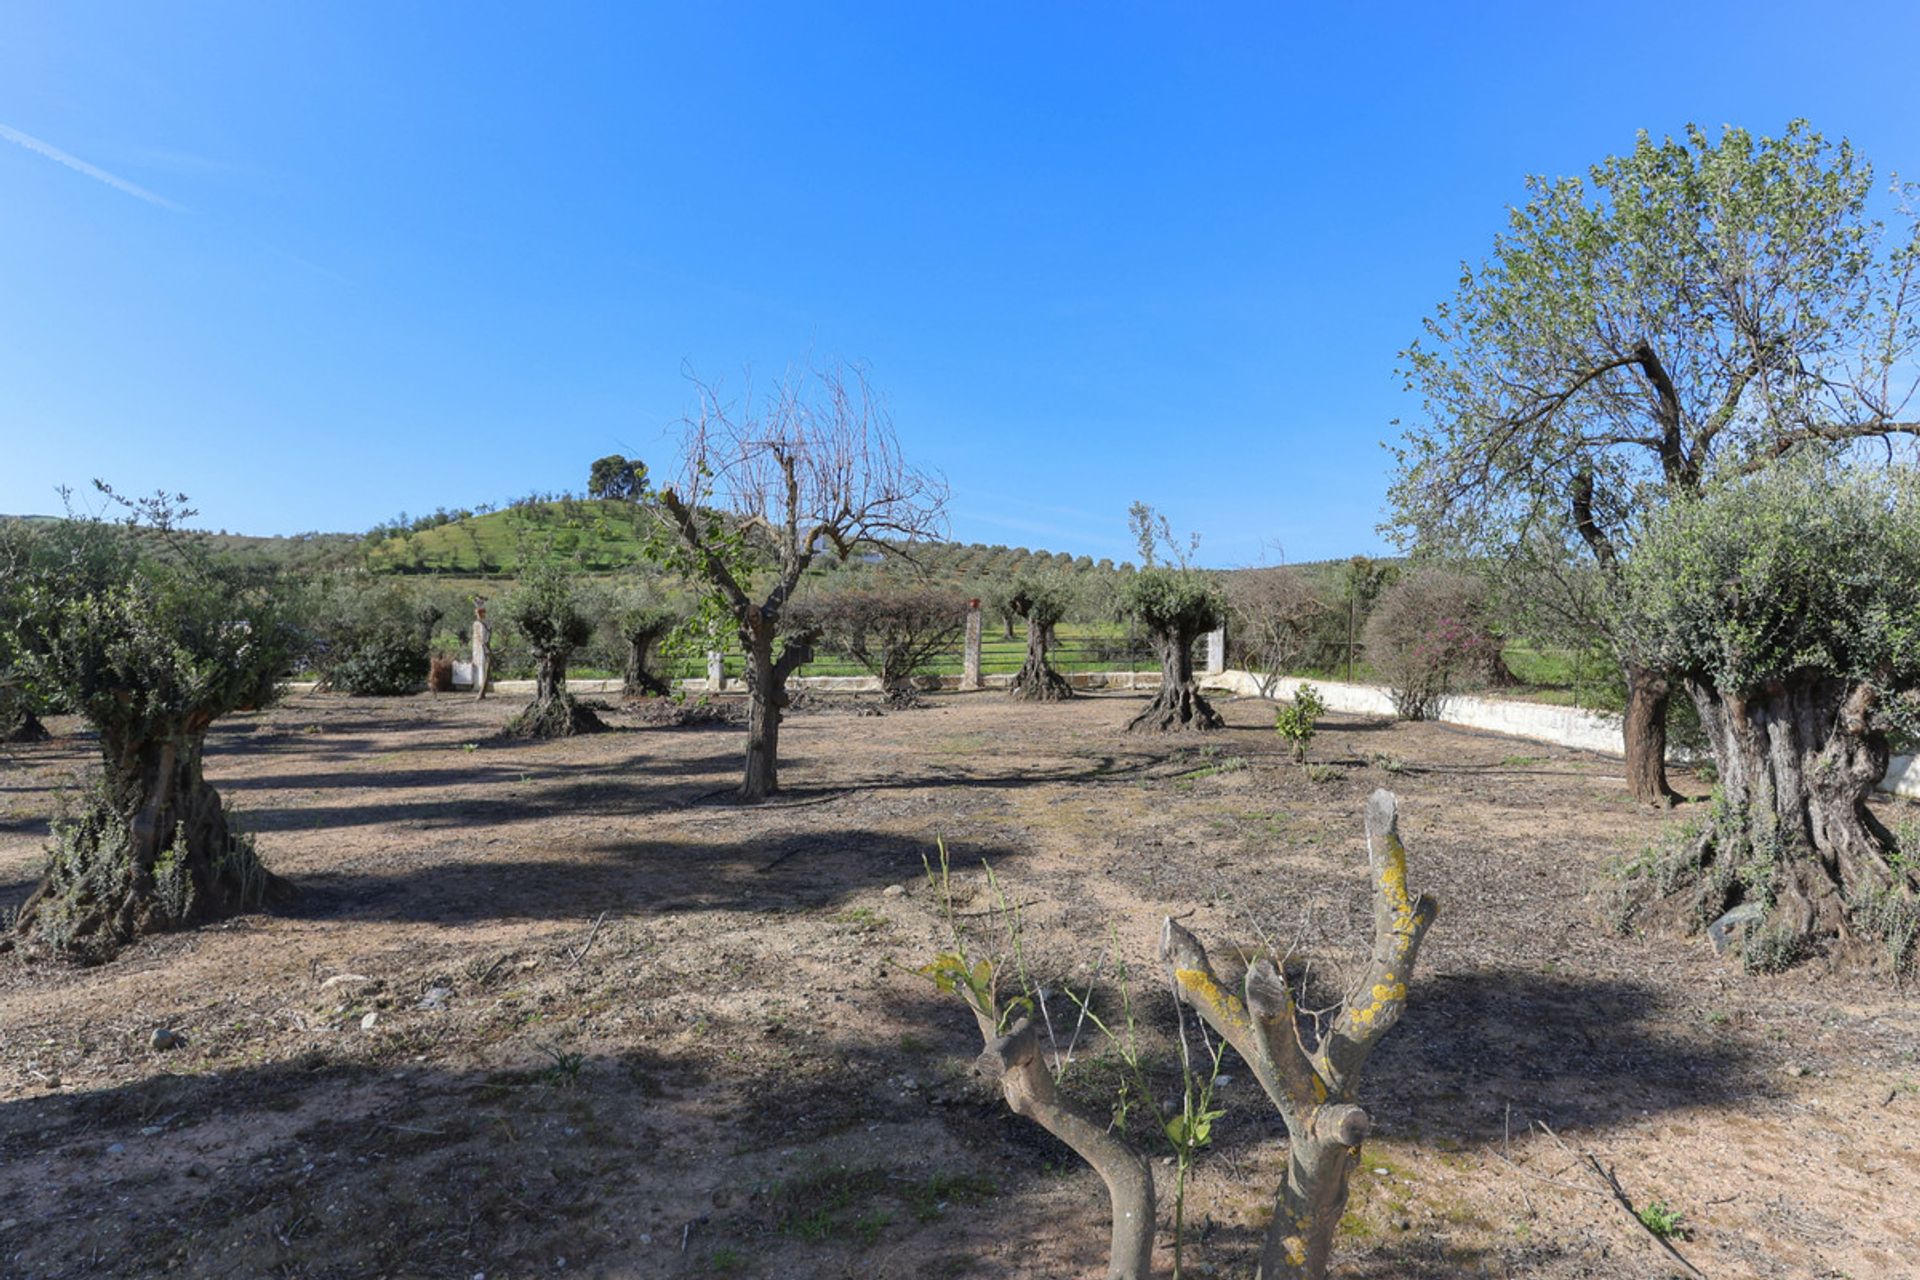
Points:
point(638, 784)
point(787, 871)
point(1577, 1051)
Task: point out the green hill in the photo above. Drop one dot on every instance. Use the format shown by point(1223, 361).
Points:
point(604, 536)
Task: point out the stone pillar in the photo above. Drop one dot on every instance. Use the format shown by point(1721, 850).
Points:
point(970, 670)
point(1216, 651)
point(716, 670)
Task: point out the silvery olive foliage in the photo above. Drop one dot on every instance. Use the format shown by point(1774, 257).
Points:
point(1805, 570)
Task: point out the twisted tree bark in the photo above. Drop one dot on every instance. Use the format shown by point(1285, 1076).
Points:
point(1178, 704)
point(1037, 680)
point(1798, 761)
point(149, 849)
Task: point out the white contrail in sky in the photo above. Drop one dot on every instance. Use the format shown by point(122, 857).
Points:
point(78, 165)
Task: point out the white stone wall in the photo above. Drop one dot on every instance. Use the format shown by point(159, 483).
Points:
point(1539, 721)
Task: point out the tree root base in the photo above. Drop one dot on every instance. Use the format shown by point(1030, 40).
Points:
point(560, 717)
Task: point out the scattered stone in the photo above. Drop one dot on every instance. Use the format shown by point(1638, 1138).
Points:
point(165, 1038)
point(435, 998)
point(1727, 930)
point(339, 978)
point(366, 1023)
point(1795, 1070)
point(1221, 1082)
point(152, 1129)
point(894, 891)
point(198, 1170)
point(118, 1148)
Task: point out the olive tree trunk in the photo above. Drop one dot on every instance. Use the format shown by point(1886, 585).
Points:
point(638, 678)
point(1793, 837)
point(553, 713)
point(21, 726)
point(1037, 681)
point(1645, 735)
point(1178, 704)
point(148, 849)
point(1313, 1086)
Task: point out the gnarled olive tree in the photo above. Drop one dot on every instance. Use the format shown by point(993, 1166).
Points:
point(640, 618)
point(765, 489)
point(1041, 601)
point(1788, 604)
point(1313, 1081)
point(148, 638)
point(550, 609)
point(1177, 607)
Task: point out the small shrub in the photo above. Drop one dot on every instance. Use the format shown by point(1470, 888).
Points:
point(1295, 723)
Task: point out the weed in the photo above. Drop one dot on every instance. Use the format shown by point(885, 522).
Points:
point(929, 1199)
point(563, 1071)
point(814, 1208)
point(1228, 764)
point(1324, 773)
point(1388, 764)
point(725, 1261)
point(1667, 1223)
point(860, 920)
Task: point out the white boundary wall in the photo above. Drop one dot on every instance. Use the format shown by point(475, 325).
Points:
point(1596, 731)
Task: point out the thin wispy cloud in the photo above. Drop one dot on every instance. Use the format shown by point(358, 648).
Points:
point(78, 165)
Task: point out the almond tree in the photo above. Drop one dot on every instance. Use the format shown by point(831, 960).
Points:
point(767, 486)
point(1696, 308)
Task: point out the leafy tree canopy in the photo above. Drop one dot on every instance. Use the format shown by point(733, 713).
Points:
point(1696, 308)
point(618, 477)
point(1810, 570)
point(1174, 601)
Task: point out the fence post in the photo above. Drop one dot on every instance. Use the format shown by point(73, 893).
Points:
point(716, 670)
point(970, 669)
point(1216, 651)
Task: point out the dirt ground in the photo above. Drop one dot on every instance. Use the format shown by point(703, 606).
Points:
point(562, 1009)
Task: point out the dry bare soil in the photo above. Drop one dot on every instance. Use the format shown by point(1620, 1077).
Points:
point(561, 1009)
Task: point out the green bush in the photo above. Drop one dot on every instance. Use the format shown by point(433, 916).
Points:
point(382, 666)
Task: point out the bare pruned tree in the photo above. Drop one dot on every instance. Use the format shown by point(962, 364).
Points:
point(1311, 1077)
point(770, 483)
point(1276, 618)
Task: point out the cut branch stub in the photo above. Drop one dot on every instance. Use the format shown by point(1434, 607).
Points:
point(1314, 1091)
point(1014, 1061)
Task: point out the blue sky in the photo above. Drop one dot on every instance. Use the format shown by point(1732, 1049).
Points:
point(318, 264)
